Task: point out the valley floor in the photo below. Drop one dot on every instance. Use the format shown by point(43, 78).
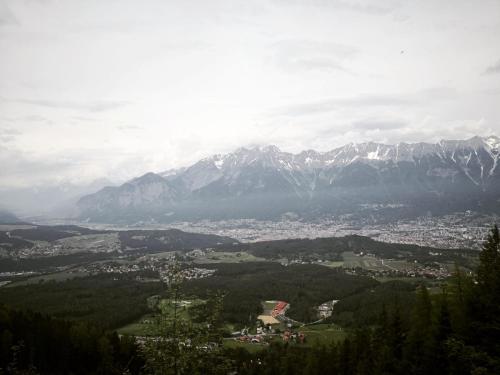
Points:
point(459, 230)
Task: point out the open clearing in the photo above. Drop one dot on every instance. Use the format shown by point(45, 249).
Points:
point(94, 243)
point(227, 257)
point(143, 327)
point(56, 276)
point(333, 264)
point(252, 348)
point(372, 263)
point(352, 260)
point(147, 325)
point(323, 333)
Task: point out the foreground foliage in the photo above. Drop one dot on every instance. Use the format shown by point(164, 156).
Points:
point(32, 343)
point(109, 301)
point(185, 347)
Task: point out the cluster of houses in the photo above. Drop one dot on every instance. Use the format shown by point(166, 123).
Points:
point(197, 253)
point(435, 273)
point(263, 338)
point(161, 268)
point(188, 273)
point(325, 310)
point(112, 267)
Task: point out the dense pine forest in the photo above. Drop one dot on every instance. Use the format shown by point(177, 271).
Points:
point(411, 331)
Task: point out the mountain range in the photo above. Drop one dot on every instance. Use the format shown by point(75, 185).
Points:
point(375, 179)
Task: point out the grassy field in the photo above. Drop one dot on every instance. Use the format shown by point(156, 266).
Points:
point(399, 265)
point(233, 344)
point(322, 333)
point(352, 260)
point(368, 262)
point(57, 276)
point(140, 328)
point(89, 243)
point(147, 324)
point(227, 257)
point(333, 264)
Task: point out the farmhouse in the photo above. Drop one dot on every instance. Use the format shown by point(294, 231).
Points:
point(280, 308)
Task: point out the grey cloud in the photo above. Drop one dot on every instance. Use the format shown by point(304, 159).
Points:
point(387, 100)
point(6, 138)
point(89, 106)
point(6, 15)
point(8, 135)
point(366, 7)
point(128, 127)
point(378, 124)
point(10, 131)
point(27, 169)
point(20, 168)
point(363, 127)
point(493, 69)
point(319, 64)
point(437, 93)
point(18, 165)
point(33, 118)
point(301, 46)
point(83, 118)
point(329, 105)
point(311, 55)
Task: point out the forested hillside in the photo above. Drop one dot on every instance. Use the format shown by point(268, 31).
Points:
point(392, 328)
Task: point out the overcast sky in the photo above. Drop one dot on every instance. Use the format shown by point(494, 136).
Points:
point(102, 88)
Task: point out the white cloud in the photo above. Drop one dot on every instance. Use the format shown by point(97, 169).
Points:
point(118, 88)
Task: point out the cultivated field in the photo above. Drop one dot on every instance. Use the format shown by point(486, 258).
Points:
point(323, 333)
point(227, 257)
point(94, 243)
point(56, 276)
point(351, 260)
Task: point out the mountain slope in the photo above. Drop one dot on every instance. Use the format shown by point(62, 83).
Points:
point(264, 182)
point(7, 217)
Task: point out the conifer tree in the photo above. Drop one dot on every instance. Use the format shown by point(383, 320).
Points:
point(485, 306)
point(419, 337)
point(488, 276)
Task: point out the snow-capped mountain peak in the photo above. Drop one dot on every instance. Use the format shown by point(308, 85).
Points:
point(244, 179)
point(493, 142)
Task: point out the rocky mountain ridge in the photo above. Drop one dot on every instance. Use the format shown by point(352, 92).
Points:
point(266, 182)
